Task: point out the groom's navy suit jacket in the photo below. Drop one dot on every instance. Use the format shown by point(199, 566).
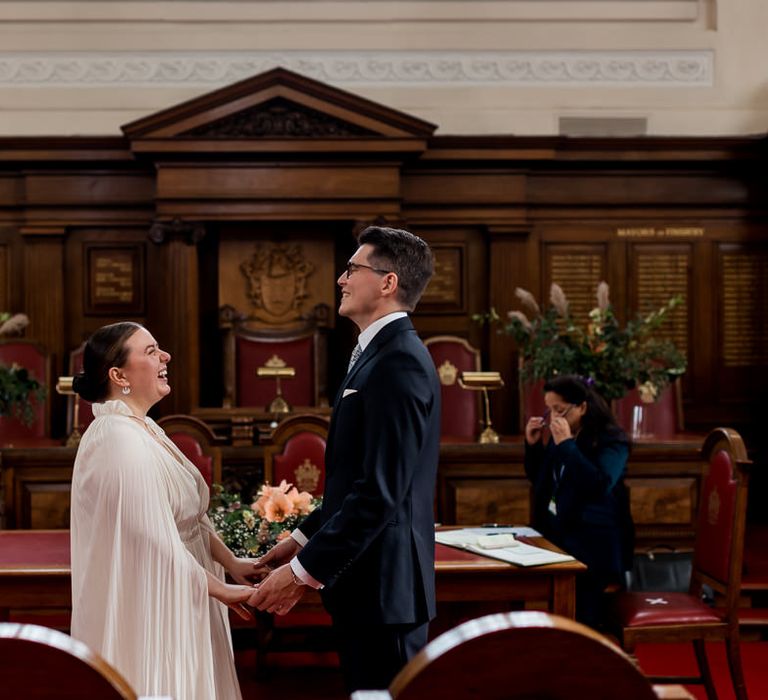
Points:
point(372, 541)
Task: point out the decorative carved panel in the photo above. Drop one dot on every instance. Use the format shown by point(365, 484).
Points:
point(278, 118)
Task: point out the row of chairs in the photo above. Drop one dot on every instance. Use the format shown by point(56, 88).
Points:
point(460, 420)
point(503, 656)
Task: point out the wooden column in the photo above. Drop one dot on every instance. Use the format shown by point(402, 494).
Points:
point(513, 263)
point(174, 312)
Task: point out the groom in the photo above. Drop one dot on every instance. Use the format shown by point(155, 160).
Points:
point(370, 547)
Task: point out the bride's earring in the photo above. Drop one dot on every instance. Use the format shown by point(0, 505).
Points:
point(126, 390)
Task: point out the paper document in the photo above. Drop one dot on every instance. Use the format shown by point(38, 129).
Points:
point(480, 541)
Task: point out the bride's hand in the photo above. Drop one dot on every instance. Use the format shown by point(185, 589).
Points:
point(244, 571)
point(233, 596)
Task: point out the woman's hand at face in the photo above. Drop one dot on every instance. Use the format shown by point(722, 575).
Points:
point(560, 429)
point(533, 429)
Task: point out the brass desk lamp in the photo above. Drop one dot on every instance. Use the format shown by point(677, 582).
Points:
point(64, 387)
point(277, 369)
point(485, 382)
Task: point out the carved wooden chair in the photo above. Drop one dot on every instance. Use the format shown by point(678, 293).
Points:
point(460, 417)
point(84, 411)
point(524, 654)
point(248, 346)
point(35, 359)
point(296, 453)
point(37, 663)
point(198, 443)
point(717, 561)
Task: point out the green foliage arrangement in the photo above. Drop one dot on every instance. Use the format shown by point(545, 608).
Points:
point(16, 385)
point(553, 342)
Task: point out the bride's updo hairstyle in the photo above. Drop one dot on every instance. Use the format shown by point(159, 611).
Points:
point(103, 350)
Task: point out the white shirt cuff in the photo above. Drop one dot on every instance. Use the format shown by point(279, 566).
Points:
point(299, 536)
point(302, 574)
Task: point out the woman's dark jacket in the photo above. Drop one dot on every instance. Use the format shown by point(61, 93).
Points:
point(585, 475)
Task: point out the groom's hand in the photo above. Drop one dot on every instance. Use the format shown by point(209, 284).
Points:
point(280, 554)
point(277, 593)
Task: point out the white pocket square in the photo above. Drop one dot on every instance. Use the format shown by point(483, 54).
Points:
point(347, 392)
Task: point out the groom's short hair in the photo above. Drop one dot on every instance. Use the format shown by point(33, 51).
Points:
point(405, 254)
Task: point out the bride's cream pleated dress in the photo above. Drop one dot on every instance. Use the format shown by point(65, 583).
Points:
point(140, 549)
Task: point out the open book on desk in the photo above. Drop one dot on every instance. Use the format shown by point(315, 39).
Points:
point(502, 543)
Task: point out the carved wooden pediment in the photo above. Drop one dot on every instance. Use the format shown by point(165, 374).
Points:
point(274, 111)
point(282, 119)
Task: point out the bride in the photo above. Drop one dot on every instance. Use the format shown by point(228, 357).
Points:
point(148, 590)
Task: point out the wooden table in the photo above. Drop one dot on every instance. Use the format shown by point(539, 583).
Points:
point(35, 573)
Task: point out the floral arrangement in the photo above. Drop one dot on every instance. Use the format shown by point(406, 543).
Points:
point(251, 530)
point(617, 359)
point(16, 386)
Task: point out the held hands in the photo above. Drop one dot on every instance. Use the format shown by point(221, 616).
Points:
point(233, 596)
point(277, 593)
point(245, 571)
point(280, 554)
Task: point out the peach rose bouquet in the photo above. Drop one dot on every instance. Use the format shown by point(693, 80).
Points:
point(251, 530)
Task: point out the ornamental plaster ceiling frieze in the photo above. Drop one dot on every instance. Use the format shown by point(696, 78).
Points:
point(514, 68)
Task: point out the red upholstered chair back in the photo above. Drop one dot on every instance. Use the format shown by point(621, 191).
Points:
point(460, 416)
point(660, 419)
point(296, 453)
point(85, 413)
point(37, 662)
point(197, 442)
point(252, 352)
point(553, 657)
point(33, 357)
point(719, 547)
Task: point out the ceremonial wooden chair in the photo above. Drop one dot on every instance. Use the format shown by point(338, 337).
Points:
point(37, 663)
point(460, 415)
point(198, 443)
point(37, 362)
point(524, 655)
point(248, 346)
point(717, 561)
point(84, 411)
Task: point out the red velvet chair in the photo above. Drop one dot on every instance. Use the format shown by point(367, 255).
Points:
point(37, 663)
point(460, 417)
point(198, 443)
point(30, 355)
point(296, 453)
point(248, 347)
point(525, 654)
point(661, 419)
point(717, 562)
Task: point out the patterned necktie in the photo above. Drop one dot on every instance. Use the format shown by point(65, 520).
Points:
point(355, 356)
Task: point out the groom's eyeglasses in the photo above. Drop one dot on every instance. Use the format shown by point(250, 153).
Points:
point(354, 267)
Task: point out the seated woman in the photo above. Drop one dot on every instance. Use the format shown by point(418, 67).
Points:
point(580, 500)
point(148, 590)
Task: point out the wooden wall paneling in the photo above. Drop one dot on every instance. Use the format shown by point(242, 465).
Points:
point(510, 254)
point(578, 269)
point(44, 303)
point(173, 314)
point(742, 328)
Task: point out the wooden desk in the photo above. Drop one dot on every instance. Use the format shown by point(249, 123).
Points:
point(35, 572)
